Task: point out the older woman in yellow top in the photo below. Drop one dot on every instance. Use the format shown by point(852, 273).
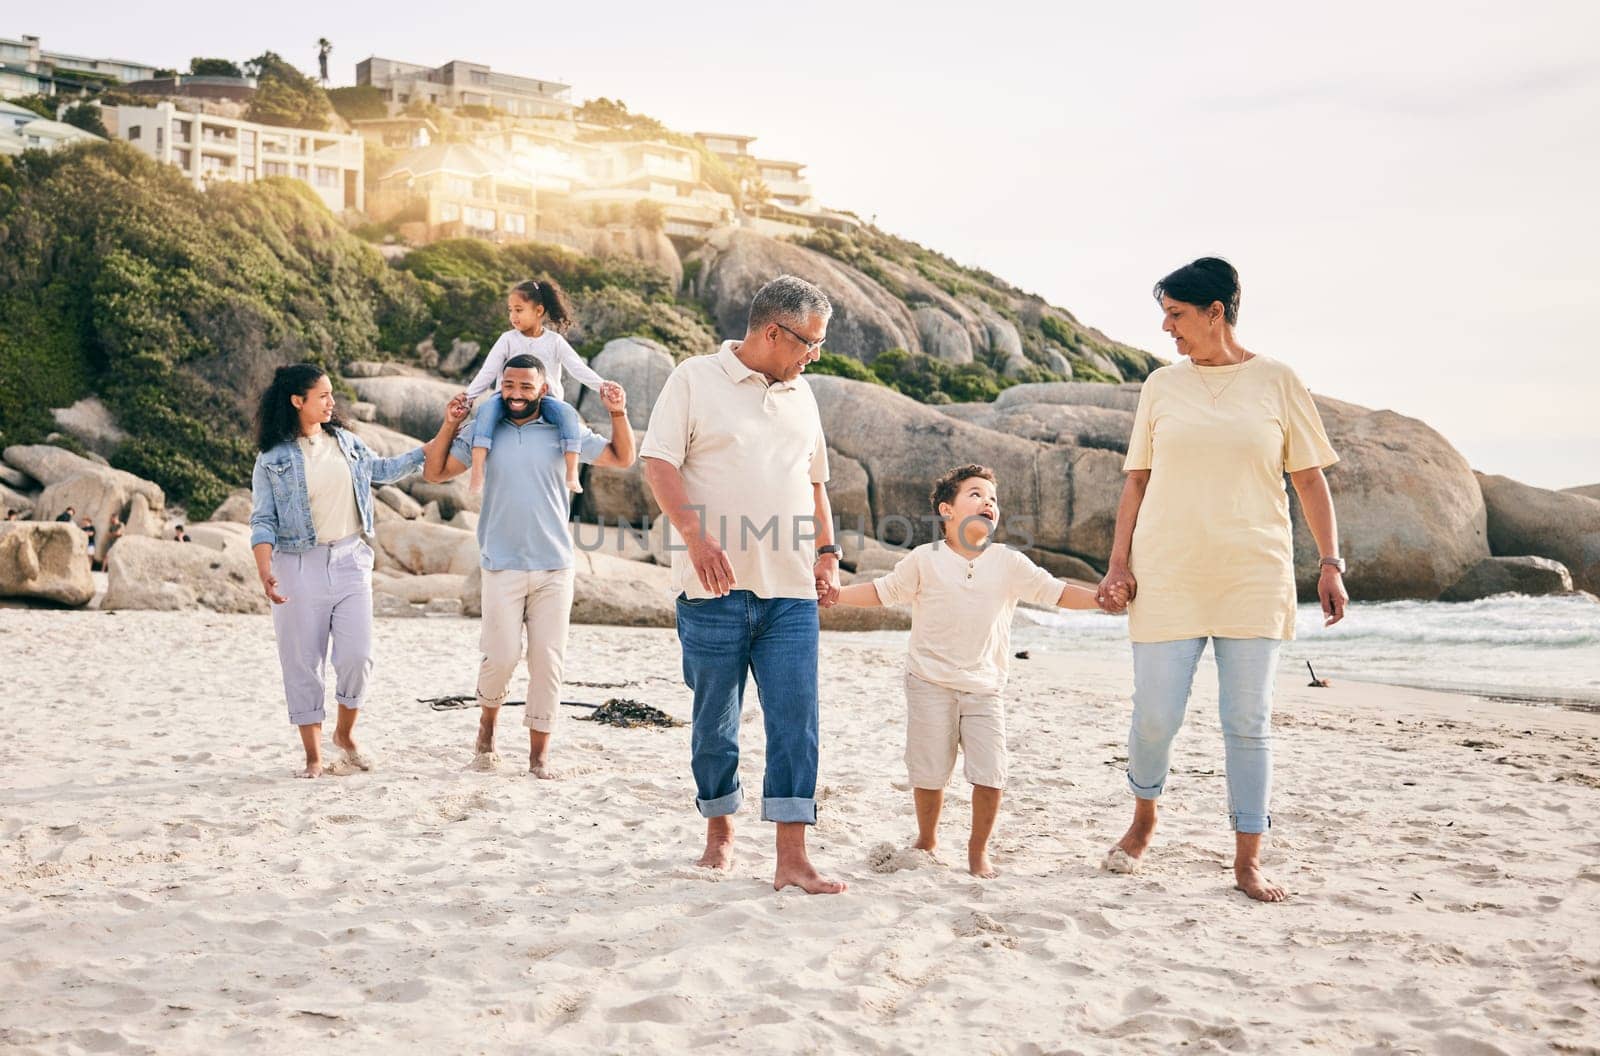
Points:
point(1203, 551)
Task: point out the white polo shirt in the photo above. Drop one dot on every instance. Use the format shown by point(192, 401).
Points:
point(749, 452)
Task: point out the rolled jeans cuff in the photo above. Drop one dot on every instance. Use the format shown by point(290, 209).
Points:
point(722, 805)
point(353, 703)
point(789, 810)
point(308, 718)
point(493, 702)
point(538, 723)
point(1250, 823)
point(1145, 791)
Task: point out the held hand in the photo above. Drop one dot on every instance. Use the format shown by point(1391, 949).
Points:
point(826, 574)
point(269, 583)
point(1116, 590)
point(1330, 589)
point(712, 566)
point(614, 396)
point(457, 409)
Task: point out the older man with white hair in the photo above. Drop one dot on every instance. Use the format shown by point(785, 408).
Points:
point(737, 462)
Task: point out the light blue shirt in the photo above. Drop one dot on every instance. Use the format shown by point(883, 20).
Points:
point(523, 523)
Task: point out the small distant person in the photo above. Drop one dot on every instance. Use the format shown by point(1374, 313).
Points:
point(69, 515)
point(113, 532)
point(11, 515)
point(179, 535)
point(311, 505)
point(540, 315)
point(963, 590)
point(87, 526)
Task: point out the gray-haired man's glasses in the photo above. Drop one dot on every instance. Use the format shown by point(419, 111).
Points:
point(811, 346)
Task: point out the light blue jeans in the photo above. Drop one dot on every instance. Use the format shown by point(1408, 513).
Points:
point(329, 588)
point(1163, 673)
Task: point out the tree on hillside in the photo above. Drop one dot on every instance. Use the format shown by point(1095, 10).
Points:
point(361, 102)
point(39, 104)
point(284, 95)
point(323, 48)
point(199, 67)
point(87, 117)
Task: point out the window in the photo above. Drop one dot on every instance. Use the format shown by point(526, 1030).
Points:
point(458, 187)
point(516, 223)
point(135, 132)
point(301, 172)
point(327, 177)
point(274, 168)
point(480, 77)
point(181, 131)
point(449, 211)
point(180, 158)
point(248, 173)
point(478, 219)
point(160, 138)
point(247, 140)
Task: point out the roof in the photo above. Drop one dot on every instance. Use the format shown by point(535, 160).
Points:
point(461, 159)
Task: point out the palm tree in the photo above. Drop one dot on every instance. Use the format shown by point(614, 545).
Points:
point(323, 47)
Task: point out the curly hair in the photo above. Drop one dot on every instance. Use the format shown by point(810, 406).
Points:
point(547, 292)
point(277, 419)
point(946, 487)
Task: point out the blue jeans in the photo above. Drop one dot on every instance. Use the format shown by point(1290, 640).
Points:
point(562, 415)
point(776, 639)
point(1163, 673)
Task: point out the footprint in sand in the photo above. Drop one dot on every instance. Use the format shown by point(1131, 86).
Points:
point(887, 858)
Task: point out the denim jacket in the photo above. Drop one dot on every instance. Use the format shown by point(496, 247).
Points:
point(281, 509)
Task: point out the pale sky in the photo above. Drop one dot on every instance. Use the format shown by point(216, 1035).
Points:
point(1407, 189)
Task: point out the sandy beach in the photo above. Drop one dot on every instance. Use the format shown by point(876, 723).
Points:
point(167, 888)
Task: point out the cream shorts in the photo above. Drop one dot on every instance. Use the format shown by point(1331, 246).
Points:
point(938, 720)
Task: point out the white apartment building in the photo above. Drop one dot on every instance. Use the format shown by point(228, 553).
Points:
point(22, 129)
point(460, 83)
point(207, 147)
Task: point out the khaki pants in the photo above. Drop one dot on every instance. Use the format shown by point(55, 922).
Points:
point(539, 603)
point(938, 720)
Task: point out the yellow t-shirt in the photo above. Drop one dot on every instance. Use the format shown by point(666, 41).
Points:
point(1212, 548)
point(330, 487)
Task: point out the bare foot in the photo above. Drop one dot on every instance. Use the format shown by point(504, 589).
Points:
point(351, 754)
point(978, 864)
point(1249, 879)
point(484, 762)
point(719, 844)
point(313, 768)
point(1124, 857)
point(803, 874)
point(539, 766)
point(930, 844)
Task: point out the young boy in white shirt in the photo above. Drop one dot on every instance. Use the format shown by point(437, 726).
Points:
point(963, 591)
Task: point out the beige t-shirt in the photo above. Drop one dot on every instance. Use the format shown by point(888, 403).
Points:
point(1212, 550)
point(961, 611)
point(749, 453)
point(332, 490)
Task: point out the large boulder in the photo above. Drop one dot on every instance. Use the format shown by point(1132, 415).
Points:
point(1123, 397)
point(427, 549)
point(1057, 423)
point(849, 492)
point(867, 319)
point(386, 442)
point(399, 502)
point(418, 590)
point(147, 573)
point(453, 496)
point(1528, 521)
point(641, 367)
point(628, 543)
point(45, 561)
point(618, 496)
point(943, 336)
point(1411, 519)
point(236, 507)
point(92, 424)
point(15, 500)
point(92, 489)
point(413, 405)
point(220, 535)
point(1510, 575)
point(1057, 497)
point(13, 477)
point(145, 520)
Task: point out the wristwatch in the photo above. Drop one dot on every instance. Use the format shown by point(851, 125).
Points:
point(1336, 563)
point(836, 551)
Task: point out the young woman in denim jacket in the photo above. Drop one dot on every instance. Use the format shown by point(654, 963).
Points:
point(312, 491)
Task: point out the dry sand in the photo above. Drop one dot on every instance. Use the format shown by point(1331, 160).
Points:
point(165, 886)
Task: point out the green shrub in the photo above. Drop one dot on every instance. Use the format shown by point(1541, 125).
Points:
point(843, 367)
point(363, 102)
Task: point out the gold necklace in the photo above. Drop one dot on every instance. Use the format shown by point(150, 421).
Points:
point(1215, 396)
